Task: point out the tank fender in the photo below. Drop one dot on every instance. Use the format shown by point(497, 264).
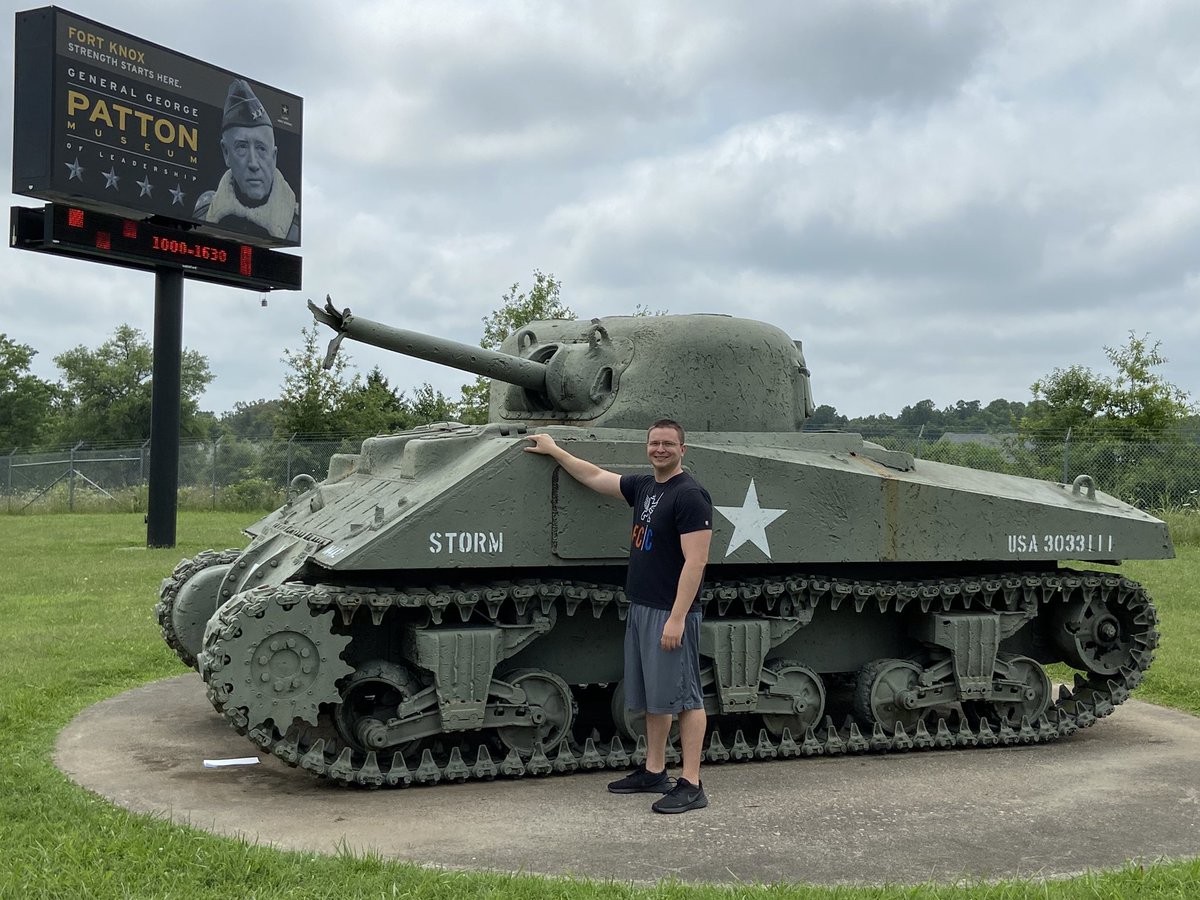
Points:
point(270, 560)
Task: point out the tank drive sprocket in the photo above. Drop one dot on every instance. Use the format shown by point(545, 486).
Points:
point(269, 658)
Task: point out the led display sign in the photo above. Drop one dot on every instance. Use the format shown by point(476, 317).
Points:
point(75, 231)
point(107, 121)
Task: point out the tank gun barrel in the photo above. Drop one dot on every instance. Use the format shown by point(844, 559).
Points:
point(489, 363)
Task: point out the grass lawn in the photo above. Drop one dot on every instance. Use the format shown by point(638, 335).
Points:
point(77, 595)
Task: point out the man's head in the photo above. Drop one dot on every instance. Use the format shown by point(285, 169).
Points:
point(248, 143)
point(665, 447)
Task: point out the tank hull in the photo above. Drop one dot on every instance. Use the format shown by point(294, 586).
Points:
point(446, 606)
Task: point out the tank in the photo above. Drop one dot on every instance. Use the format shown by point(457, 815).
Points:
point(443, 606)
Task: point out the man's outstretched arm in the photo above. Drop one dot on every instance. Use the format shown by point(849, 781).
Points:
point(588, 474)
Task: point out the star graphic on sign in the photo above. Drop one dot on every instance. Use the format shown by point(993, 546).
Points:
point(750, 522)
point(146, 187)
point(176, 195)
point(111, 178)
point(76, 169)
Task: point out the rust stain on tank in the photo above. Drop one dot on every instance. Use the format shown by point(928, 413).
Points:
point(891, 518)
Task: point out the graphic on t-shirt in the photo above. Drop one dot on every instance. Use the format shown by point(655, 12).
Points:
point(642, 537)
point(750, 522)
point(649, 506)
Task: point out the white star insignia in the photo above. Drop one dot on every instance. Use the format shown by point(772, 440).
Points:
point(111, 178)
point(146, 187)
point(176, 196)
point(76, 169)
point(750, 522)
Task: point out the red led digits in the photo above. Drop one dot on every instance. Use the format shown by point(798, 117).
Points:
point(129, 228)
point(245, 266)
point(103, 240)
point(75, 218)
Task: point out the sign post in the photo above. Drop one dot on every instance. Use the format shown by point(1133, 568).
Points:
point(162, 498)
point(153, 160)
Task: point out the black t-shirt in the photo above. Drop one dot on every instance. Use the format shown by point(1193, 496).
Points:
point(662, 512)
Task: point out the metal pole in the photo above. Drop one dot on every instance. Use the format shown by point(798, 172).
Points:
point(288, 480)
point(71, 479)
point(216, 450)
point(919, 436)
point(10, 468)
point(163, 497)
point(1067, 458)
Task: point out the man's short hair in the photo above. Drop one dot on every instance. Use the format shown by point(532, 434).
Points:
point(668, 423)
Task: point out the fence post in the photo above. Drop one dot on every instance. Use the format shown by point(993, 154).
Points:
point(142, 462)
point(216, 450)
point(71, 479)
point(288, 479)
point(1067, 458)
point(8, 492)
point(917, 454)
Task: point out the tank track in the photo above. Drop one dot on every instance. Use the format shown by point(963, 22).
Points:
point(1080, 706)
point(169, 590)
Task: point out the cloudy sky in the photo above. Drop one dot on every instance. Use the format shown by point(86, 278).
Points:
point(942, 200)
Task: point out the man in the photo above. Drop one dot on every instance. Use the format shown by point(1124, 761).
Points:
point(252, 197)
point(672, 529)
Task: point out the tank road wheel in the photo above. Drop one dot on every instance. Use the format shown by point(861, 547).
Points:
point(551, 709)
point(806, 691)
point(369, 699)
point(1031, 693)
point(187, 600)
point(1096, 633)
point(279, 664)
point(879, 691)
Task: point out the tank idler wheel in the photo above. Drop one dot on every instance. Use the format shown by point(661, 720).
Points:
point(879, 694)
point(631, 723)
point(807, 691)
point(1031, 698)
point(188, 599)
point(1096, 634)
point(551, 709)
point(369, 698)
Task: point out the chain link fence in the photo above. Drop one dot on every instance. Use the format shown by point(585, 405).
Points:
point(254, 475)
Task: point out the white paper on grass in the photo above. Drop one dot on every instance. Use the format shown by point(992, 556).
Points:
point(237, 761)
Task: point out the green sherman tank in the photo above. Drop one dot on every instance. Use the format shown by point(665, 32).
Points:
point(444, 606)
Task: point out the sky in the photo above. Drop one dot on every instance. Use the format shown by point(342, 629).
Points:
point(942, 200)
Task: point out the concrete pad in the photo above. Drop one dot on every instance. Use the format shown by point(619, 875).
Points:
point(1126, 788)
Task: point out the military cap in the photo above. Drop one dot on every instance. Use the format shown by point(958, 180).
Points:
point(243, 108)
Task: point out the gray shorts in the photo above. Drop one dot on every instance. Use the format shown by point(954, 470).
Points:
point(657, 680)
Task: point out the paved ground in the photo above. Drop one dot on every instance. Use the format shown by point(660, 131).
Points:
point(1126, 788)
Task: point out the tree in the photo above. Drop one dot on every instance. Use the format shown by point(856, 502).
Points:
point(373, 406)
point(540, 303)
point(428, 405)
point(1136, 404)
point(107, 390)
point(825, 415)
point(253, 421)
point(312, 395)
point(26, 401)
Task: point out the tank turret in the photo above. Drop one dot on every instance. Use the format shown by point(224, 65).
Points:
point(706, 371)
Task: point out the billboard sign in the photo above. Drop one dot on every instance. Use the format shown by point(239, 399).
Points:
point(108, 121)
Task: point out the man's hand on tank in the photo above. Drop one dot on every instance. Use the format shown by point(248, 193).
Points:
point(542, 443)
point(672, 634)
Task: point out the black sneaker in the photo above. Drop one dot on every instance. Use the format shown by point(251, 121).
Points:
point(683, 796)
point(639, 781)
